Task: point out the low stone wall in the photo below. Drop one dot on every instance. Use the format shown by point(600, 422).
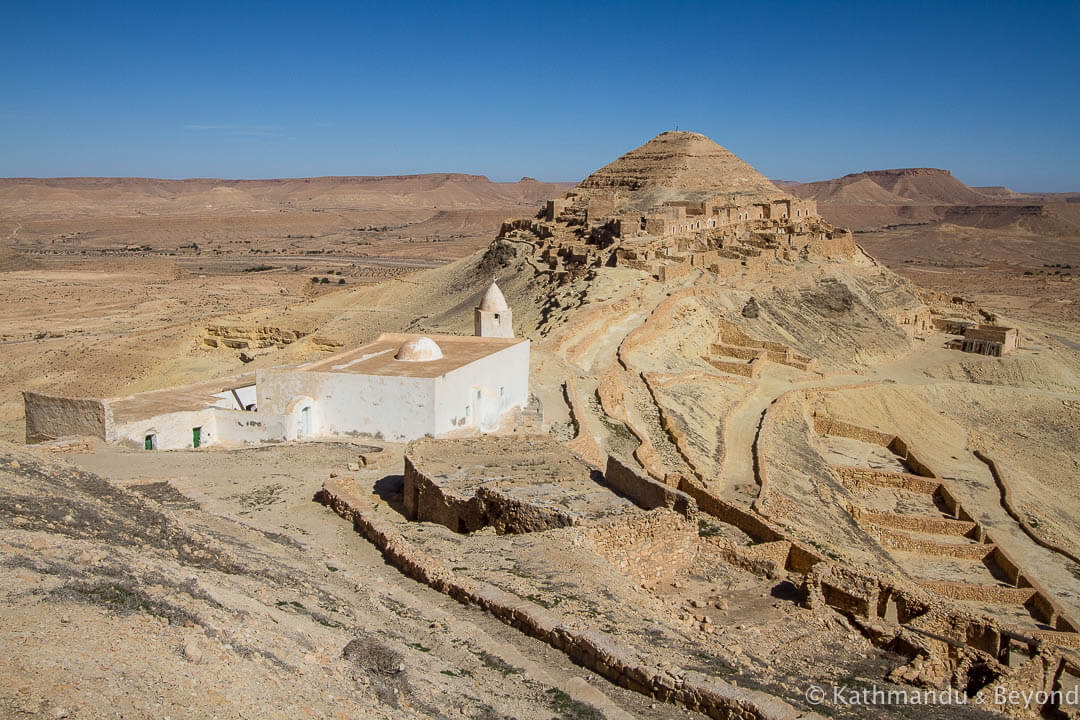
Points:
point(979, 593)
point(749, 369)
point(726, 512)
point(825, 425)
point(894, 540)
point(653, 547)
point(854, 477)
point(595, 650)
point(743, 353)
point(917, 523)
point(645, 492)
point(49, 417)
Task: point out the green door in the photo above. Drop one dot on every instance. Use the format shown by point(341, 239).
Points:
point(196, 435)
point(148, 442)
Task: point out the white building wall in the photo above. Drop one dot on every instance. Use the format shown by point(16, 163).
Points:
point(173, 431)
point(456, 404)
point(394, 408)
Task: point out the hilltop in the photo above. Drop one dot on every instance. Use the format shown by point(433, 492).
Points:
point(683, 164)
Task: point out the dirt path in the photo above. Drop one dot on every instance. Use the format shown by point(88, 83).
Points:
point(745, 423)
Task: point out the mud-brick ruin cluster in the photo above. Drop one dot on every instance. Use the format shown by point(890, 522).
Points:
point(728, 236)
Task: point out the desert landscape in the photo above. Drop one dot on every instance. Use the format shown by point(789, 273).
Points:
point(756, 460)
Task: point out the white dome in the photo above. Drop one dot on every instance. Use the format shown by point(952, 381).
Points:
point(421, 349)
point(493, 300)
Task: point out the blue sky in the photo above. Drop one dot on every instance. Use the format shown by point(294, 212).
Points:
point(803, 91)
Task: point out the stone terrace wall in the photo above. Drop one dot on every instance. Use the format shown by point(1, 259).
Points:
point(49, 417)
point(856, 477)
point(595, 650)
point(749, 369)
point(928, 482)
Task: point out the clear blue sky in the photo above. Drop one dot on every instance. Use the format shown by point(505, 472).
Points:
point(803, 91)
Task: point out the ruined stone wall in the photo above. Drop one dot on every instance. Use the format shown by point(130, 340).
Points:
point(674, 271)
point(593, 649)
point(907, 543)
point(242, 336)
point(650, 547)
point(915, 523)
point(49, 417)
point(726, 268)
point(979, 593)
point(837, 244)
point(743, 353)
point(529, 225)
point(427, 501)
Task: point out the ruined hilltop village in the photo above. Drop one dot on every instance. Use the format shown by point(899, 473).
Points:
point(692, 443)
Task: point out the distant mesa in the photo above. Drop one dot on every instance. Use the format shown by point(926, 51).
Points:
point(900, 186)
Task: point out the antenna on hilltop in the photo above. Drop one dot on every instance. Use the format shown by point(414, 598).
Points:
point(676, 127)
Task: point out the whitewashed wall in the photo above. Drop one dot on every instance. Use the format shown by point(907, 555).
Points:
point(394, 408)
point(219, 427)
point(508, 368)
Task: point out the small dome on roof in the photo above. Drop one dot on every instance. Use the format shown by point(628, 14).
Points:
point(493, 300)
point(421, 349)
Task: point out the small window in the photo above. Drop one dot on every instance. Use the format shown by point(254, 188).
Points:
point(496, 317)
point(150, 442)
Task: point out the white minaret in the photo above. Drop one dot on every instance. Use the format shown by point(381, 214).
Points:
point(492, 318)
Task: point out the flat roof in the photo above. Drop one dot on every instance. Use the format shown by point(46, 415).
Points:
point(196, 396)
point(377, 357)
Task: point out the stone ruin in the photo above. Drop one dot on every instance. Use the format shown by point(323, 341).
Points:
point(680, 202)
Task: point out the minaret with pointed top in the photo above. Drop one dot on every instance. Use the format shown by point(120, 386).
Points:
point(492, 317)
